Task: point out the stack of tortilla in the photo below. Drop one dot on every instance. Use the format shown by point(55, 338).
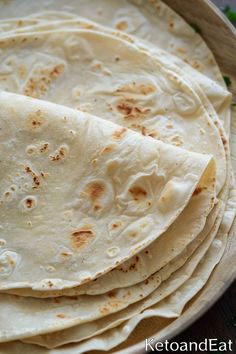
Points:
point(116, 185)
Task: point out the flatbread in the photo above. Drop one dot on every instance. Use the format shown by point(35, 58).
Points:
point(144, 19)
point(84, 73)
point(145, 196)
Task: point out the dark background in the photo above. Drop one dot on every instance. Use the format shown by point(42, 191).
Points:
point(220, 321)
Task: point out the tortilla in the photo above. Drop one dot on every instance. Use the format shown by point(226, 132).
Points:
point(218, 96)
point(54, 56)
point(170, 281)
point(48, 315)
point(144, 19)
point(174, 245)
point(166, 308)
point(150, 99)
point(92, 197)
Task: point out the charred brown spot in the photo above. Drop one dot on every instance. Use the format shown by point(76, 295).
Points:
point(43, 78)
point(133, 266)
point(97, 207)
point(198, 190)
point(28, 169)
point(59, 154)
point(104, 310)
point(44, 148)
point(107, 149)
point(61, 315)
point(35, 177)
point(112, 294)
point(80, 238)
point(65, 254)
point(144, 131)
point(35, 120)
point(50, 284)
point(122, 25)
point(36, 181)
point(135, 88)
point(137, 192)
point(95, 190)
point(115, 225)
point(224, 141)
point(153, 134)
point(125, 108)
point(130, 110)
point(44, 174)
point(119, 133)
point(29, 203)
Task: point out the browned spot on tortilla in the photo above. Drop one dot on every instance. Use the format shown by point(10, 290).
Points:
point(137, 192)
point(50, 284)
point(119, 133)
point(122, 25)
point(196, 64)
point(59, 154)
point(107, 149)
point(223, 139)
point(97, 207)
point(94, 162)
point(198, 190)
point(29, 203)
point(61, 315)
point(82, 237)
point(116, 225)
point(112, 294)
point(133, 266)
point(131, 110)
point(136, 88)
point(65, 254)
point(12, 262)
point(104, 310)
point(7, 195)
point(115, 303)
point(171, 24)
point(44, 147)
point(35, 120)
point(35, 177)
point(44, 174)
point(153, 133)
point(41, 80)
point(95, 190)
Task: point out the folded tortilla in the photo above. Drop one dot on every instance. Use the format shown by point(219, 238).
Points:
point(121, 178)
point(89, 70)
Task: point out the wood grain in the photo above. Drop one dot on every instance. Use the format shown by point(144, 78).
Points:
point(217, 31)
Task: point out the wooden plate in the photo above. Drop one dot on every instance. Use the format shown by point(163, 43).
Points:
point(220, 35)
